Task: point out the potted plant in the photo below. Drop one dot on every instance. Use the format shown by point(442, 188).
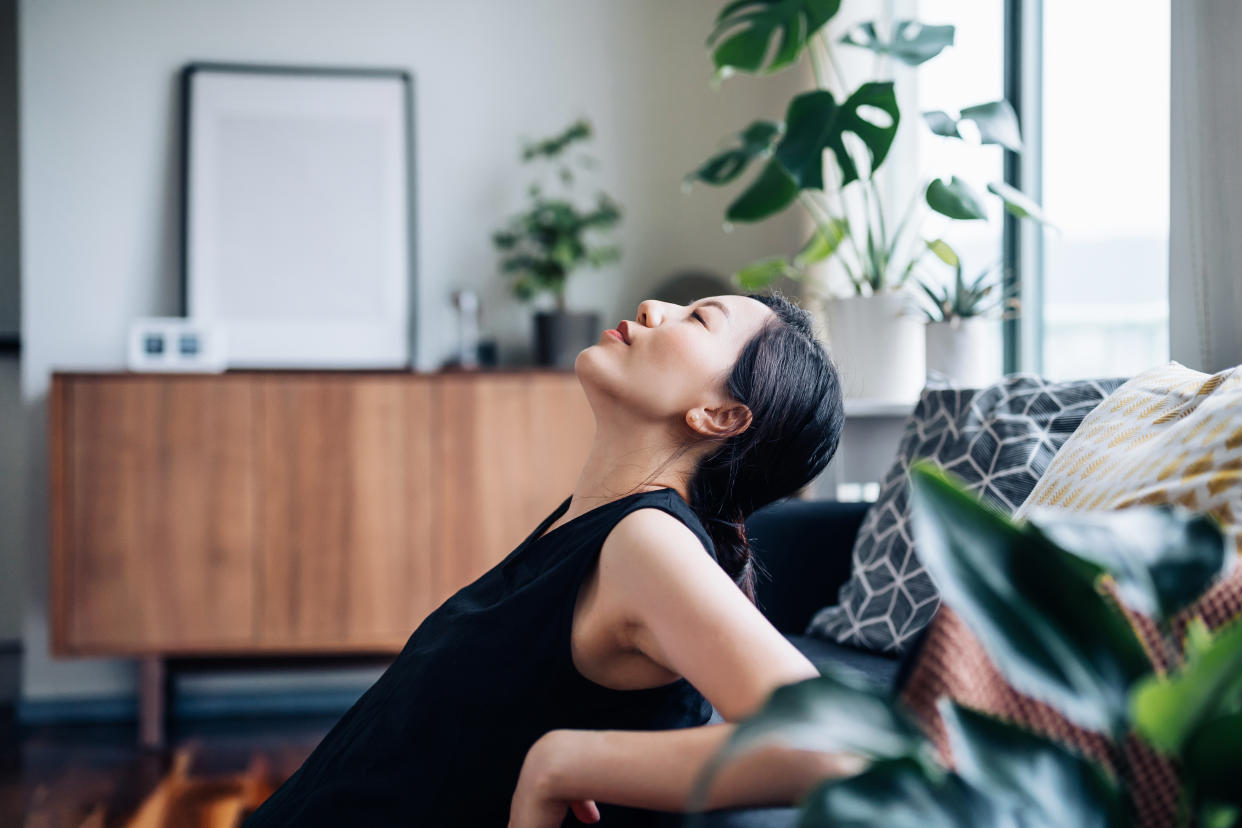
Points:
point(878, 342)
point(544, 245)
point(961, 332)
point(1044, 599)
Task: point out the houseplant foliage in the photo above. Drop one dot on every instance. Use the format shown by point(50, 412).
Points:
point(1035, 596)
point(765, 36)
point(961, 340)
point(962, 298)
point(542, 246)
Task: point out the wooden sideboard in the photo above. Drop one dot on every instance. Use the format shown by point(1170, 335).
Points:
point(278, 513)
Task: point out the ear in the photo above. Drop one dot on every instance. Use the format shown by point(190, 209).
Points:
point(719, 422)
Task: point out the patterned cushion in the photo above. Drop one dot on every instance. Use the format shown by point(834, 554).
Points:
point(1169, 435)
point(999, 439)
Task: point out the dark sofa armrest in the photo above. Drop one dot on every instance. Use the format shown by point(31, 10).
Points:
point(802, 551)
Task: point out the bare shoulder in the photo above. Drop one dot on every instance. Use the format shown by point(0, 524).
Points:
point(653, 532)
point(651, 554)
point(683, 611)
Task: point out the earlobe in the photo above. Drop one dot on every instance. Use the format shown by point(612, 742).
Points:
point(721, 422)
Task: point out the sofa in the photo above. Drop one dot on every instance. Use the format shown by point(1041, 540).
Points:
point(1169, 435)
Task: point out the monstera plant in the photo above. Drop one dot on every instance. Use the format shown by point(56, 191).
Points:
point(824, 155)
point(1043, 597)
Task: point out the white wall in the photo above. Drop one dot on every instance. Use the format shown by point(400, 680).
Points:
point(99, 224)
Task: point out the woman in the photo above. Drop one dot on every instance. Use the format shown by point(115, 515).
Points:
point(576, 674)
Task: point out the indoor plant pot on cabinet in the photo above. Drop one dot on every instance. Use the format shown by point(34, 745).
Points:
point(544, 245)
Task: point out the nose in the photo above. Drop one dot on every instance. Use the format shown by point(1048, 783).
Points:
point(651, 312)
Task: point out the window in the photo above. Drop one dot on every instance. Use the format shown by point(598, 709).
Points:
point(971, 71)
point(1096, 134)
point(1105, 160)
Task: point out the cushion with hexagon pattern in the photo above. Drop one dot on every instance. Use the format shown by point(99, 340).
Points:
point(999, 440)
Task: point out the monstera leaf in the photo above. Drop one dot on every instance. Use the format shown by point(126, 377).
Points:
point(1035, 608)
point(745, 29)
point(815, 122)
point(773, 190)
point(956, 199)
point(753, 142)
point(942, 123)
point(997, 123)
point(912, 42)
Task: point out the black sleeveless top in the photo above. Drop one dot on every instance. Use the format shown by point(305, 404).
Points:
point(440, 738)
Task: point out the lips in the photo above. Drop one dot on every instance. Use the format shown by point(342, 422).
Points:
point(624, 329)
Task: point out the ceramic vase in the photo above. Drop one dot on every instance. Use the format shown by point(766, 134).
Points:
point(878, 346)
point(965, 350)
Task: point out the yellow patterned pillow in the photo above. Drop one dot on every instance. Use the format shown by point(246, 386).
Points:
point(1169, 435)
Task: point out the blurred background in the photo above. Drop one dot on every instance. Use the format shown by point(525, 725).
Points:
point(117, 228)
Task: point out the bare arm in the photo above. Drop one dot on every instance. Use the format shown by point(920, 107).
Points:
point(658, 769)
point(676, 606)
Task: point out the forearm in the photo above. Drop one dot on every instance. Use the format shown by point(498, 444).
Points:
point(657, 769)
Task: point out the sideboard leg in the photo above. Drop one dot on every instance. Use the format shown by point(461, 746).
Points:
point(152, 703)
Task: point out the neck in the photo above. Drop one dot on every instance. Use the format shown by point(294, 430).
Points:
point(626, 459)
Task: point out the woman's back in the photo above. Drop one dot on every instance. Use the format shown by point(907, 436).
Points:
point(440, 738)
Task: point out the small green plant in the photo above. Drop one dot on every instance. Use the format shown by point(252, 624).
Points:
point(544, 245)
point(766, 36)
point(962, 299)
point(1041, 597)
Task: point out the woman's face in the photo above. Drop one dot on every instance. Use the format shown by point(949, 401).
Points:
point(672, 361)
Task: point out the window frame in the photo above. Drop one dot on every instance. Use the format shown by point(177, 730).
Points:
point(1022, 242)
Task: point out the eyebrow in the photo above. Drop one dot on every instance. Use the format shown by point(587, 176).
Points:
point(718, 304)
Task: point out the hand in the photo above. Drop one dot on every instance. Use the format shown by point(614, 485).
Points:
point(536, 803)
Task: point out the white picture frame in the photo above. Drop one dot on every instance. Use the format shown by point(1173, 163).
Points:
point(299, 213)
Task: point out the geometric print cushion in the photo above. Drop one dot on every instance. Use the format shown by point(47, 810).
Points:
point(1169, 435)
point(999, 439)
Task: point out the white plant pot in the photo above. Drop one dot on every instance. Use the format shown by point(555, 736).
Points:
point(878, 346)
point(967, 351)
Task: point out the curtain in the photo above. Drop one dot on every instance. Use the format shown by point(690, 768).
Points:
point(1205, 218)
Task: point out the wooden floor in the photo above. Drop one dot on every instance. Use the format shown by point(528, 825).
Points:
point(62, 775)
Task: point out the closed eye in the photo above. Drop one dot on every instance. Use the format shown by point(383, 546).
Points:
point(699, 317)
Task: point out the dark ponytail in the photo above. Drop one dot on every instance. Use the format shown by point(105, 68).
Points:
point(786, 378)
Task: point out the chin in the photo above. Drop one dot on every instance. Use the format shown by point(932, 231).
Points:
point(585, 362)
point(594, 372)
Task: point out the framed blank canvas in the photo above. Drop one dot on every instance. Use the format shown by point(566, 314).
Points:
point(298, 235)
